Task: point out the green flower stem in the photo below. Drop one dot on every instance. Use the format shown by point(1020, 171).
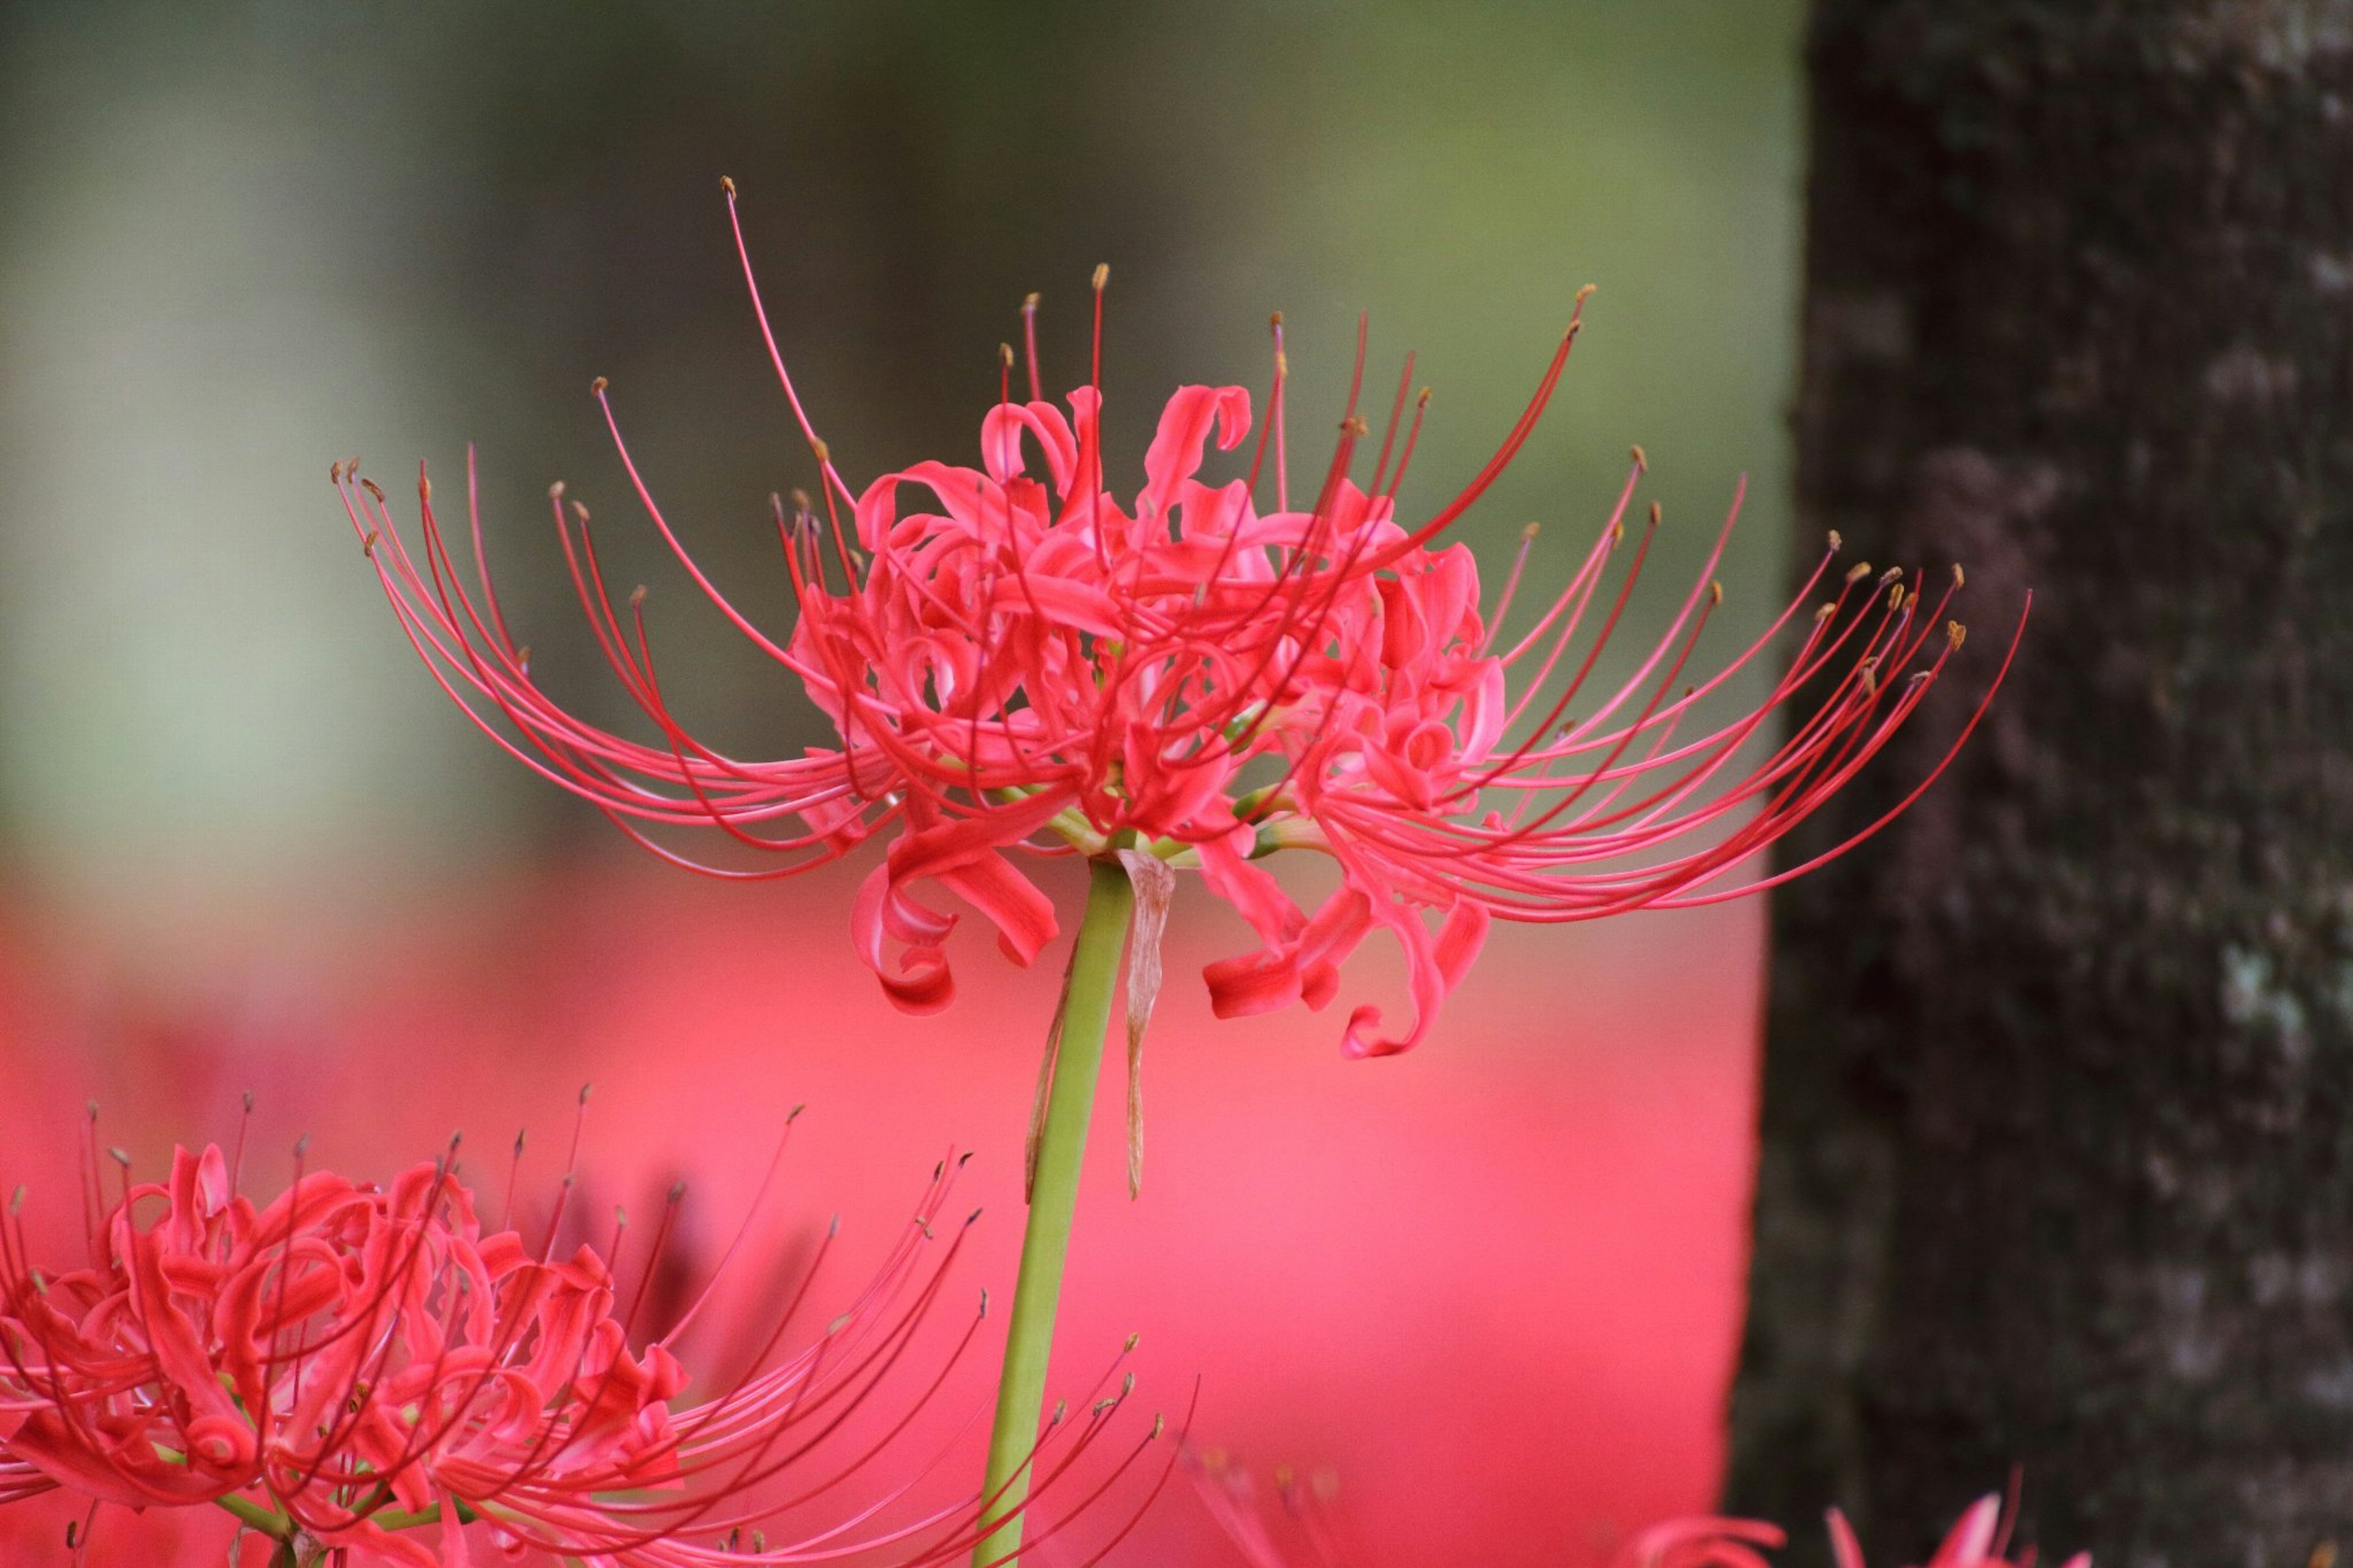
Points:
point(268, 1521)
point(1053, 1200)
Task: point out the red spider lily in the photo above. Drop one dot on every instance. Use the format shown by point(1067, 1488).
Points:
point(1978, 1539)
point(1017, 662)
point(351, 1364)
point(1264, 1534)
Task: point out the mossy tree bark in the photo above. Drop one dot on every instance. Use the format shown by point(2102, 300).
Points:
point(2058, 1110)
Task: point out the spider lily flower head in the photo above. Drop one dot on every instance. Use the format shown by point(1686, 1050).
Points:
point(1017, 660)
point(373, 1368)
point(1978, 1539)
point(1296, 1525)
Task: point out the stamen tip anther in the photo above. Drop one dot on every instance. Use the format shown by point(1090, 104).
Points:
point(727, 184)
point(1960, 578)
point(1528, 533)
point(1715, 593)
point(1838, 541)
point(596, 387)
point(556, 490)
point(1102, 275)
point(1030, 302)
point(637, 595)
point(1956, 634)
point(819, 450)
point(1641, 459)
point(1858, 572)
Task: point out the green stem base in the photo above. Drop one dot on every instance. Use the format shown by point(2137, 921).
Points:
point(1054, 1202)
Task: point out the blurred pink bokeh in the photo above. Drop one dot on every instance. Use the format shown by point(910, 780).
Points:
point(1493, 1284)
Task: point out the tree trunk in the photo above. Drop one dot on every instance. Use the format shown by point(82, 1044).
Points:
point(2058, 1114)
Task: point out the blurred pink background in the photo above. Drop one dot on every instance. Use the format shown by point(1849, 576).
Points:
point(1493, 1284)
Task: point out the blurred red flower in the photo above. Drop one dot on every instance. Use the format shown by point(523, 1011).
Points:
point(1293, 1525)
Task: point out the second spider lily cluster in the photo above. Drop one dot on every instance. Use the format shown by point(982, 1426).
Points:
point(1016, 660)
point(374, 1369)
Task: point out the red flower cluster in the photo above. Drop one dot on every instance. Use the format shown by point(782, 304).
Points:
point(1015, 660)
point(350, 1365)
